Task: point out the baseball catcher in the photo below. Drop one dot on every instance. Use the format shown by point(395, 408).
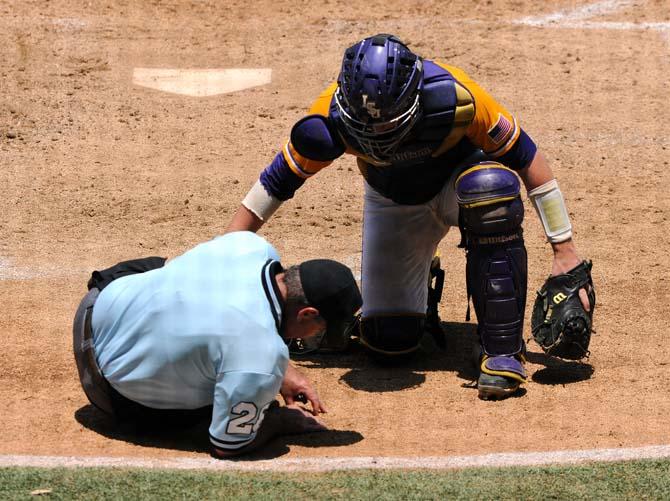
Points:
point(436, 151)
point(560, 324)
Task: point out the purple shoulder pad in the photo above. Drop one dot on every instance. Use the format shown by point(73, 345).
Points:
point(315, 138)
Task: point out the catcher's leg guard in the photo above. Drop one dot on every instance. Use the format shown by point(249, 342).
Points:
point(392, 335)
point(491, 215)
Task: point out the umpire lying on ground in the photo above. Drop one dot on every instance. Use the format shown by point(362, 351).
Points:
point(204, 335)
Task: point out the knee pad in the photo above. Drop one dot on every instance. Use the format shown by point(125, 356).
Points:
point(491, 213)
point(392, 335)
point(488, 195)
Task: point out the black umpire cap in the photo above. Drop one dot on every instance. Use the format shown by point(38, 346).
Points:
point(330, 287)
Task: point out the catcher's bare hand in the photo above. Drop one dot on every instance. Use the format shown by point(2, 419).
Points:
point(297, 388)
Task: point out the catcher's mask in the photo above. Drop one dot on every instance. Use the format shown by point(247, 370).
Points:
point(378, 94)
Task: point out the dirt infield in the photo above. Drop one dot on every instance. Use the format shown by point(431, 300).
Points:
point(95, 170)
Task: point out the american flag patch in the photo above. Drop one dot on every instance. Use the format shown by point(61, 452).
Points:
point(500, 130)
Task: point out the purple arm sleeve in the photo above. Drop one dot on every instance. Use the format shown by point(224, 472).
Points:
point(521, 154)
point(279, 180)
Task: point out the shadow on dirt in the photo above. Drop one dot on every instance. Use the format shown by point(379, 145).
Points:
point(196, 437)
point(557, 371)
point(193, 438)
point(281, 445)
point(367, 374)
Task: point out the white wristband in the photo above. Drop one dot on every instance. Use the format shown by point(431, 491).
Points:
point(550, 206)
point(260, 202)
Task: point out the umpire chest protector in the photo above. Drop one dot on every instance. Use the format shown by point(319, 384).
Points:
point(419, 167)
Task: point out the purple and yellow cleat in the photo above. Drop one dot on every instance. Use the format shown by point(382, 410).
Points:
point(500, 376)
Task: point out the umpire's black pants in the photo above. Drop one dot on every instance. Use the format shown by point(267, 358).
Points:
point(102, 395)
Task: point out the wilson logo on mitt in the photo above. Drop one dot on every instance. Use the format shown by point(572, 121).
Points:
point(562, 327)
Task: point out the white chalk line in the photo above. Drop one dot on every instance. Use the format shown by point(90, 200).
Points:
point(602, 25)
point(578, 18)
point(325, 464)
point(353, 262)
point(584, 12)
point(9, 271)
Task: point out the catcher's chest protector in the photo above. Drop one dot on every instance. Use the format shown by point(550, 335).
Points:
point(491, 213)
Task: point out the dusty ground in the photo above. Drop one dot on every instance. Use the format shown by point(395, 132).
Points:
point(95, 170)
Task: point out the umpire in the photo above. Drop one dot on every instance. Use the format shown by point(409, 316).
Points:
point(204, 336)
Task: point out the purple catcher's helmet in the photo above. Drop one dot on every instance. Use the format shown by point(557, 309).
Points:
point(378, 93)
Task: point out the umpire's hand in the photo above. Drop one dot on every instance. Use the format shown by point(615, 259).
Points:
point(297, 388)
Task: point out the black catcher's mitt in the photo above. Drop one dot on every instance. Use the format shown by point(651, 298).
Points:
point(560, 324)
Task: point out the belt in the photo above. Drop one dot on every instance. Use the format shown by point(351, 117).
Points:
point(100, 393)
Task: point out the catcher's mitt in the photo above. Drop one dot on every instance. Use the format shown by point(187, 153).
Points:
point(560, 325)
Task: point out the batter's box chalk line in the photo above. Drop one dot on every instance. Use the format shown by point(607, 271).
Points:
point(9, 271)
point(581, 17)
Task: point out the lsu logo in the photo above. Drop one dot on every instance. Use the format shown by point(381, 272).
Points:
point(373, 111)
point(559, 297)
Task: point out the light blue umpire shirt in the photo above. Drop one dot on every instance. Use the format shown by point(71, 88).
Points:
point(202, 330)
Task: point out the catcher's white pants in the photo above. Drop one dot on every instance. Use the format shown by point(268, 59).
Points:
point(399, 242)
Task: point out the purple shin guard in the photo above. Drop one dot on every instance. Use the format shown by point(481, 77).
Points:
point(496, 280)
point(496, 273)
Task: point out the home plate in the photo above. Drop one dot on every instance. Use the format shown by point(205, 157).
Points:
point(201, 82)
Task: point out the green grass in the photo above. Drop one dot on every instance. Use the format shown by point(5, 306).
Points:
point(648, 479)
